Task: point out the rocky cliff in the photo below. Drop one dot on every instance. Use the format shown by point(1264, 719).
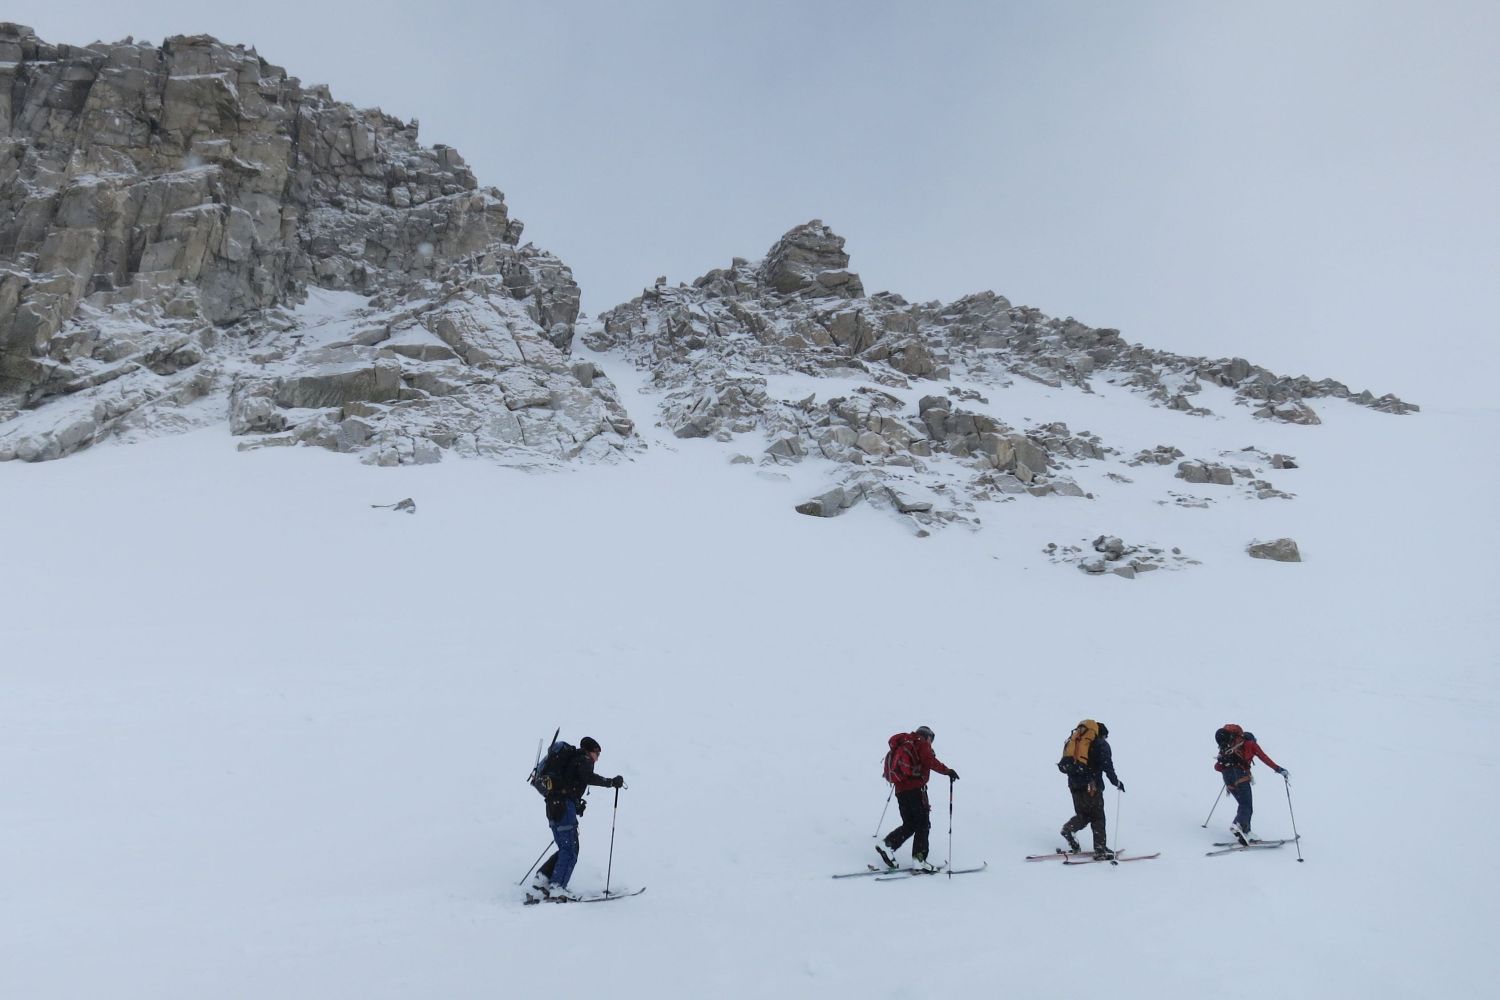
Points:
point(188, 234)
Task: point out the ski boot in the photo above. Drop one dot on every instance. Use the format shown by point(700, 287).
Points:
point(887, 855)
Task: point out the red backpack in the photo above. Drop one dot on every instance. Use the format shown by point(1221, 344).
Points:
point(903, 762)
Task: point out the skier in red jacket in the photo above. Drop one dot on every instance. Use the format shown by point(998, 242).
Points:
point(1237, 751)
point(907, 767)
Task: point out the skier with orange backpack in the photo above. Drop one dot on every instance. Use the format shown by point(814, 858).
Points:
point(1087, 760)
point(908, 765)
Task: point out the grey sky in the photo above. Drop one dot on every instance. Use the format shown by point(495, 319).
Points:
point(1310, 185)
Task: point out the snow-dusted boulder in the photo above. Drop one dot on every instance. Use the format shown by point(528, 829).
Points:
point(1279, 550)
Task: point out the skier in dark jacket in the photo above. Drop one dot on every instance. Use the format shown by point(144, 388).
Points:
point(1237, 751)
point(909, 766)
point(1086, 784)
point(565, 804)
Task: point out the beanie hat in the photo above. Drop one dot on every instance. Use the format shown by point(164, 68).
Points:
point(927, 732)
point(589, 745)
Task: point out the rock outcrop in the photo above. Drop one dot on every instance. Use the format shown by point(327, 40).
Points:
point(164, 213)
point(750, 348)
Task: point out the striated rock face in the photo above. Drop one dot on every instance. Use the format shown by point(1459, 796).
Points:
point(164, 213)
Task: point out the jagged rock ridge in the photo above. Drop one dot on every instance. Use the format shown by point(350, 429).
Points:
point(165, 210)
point(711, 348)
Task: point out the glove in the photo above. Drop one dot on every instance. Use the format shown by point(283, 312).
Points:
point(582, 805)
point(952, 775)
point(1120, 785)
point(617, 781)
point(1284, 773)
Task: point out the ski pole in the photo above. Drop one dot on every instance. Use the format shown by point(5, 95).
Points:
point(1118, 797)
point(883, 812)
point(951, 783)
point(535, 863)
point(1216, 805)
point(610, 870)
point(1296, 837)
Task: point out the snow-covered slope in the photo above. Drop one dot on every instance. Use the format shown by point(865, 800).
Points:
point(263, 732)
point(259, 739)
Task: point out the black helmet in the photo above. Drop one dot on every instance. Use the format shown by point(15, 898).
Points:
point(588, 745)
point(1103, 730)
point(926, 733)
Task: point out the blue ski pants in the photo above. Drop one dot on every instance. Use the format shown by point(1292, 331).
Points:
point(1238, 783)
point(559, 867)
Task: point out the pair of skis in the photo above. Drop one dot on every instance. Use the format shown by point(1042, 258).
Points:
point(881, 874)
point(533, 899)
point(1235, 847)
point(1073, 858)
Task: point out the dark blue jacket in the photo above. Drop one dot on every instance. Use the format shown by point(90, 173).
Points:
point(1101, 763)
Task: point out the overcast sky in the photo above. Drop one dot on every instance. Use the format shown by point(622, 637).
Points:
point(1311, 185)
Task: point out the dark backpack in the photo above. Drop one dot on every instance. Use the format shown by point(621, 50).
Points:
point(902, 761)
point(1230, 739)
point(546, 777)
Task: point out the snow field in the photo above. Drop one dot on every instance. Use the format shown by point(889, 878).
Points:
point(261, 740)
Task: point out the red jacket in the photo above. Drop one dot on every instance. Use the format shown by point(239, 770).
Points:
point(1245, 753)
point(926, 761)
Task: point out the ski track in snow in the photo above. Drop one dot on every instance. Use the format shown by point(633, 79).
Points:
point(258, 739)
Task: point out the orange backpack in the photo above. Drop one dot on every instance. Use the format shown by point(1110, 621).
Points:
point(1075, 755)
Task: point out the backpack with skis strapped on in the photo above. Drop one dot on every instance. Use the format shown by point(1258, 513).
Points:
point(1075, 755)
point(903, 762)
point(548, 771)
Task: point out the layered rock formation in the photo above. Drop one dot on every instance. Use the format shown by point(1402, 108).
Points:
point(164, 212)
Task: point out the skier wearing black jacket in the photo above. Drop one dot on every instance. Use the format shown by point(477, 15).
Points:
point(1086, 783)
point(565, 803)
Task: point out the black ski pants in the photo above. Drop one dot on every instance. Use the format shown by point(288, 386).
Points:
point(1088, 810)
point(916, 821)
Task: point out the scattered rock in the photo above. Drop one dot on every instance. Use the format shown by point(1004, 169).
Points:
point(831, 504)
point(1206, 473)
point(1279, 550)
point(1112, 547)
point(1162, 454)
point(1111, 554)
